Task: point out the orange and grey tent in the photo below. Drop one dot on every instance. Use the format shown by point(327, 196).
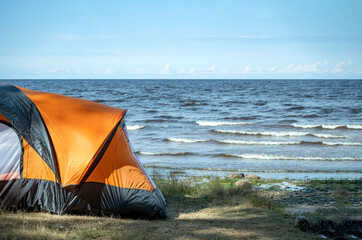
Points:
point(64, 154)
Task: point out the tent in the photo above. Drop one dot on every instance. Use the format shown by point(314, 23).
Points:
point(64, 154)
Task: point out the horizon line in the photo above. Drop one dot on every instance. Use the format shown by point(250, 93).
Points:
point(1, 79)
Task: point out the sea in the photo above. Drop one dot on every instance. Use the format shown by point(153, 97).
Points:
point(295, 129)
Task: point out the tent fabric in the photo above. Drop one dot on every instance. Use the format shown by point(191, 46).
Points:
point(24, 116)
point(11, 152)
point(70, 154)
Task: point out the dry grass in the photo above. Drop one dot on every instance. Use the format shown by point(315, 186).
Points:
point(214, 209)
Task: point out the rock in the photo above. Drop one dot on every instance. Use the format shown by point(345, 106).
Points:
point(61, 228)
point(302, 223)
point(253, 176)
point(236, 175)
point(243, 184)
point(330, 209)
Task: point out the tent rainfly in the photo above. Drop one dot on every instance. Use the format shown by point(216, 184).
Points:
point(64, 154)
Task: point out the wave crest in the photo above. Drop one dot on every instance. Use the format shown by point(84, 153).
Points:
point(296, 158)
point(166, 154)
point(185, 140)
point(328, 126)
point(278, 134)
point(214, 124)
point(134, 127)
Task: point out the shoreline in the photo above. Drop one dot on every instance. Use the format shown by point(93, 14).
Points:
point(184, 172)
point(208, 208)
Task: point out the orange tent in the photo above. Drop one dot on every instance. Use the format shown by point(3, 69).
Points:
point(65, 154)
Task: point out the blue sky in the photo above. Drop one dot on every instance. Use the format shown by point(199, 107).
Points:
point(181, 39)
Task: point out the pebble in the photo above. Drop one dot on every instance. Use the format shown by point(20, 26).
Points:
point(243, 184)
point(236, 175)
point(253, 176)
point(302, 223)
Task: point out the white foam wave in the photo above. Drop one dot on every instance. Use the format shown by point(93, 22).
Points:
point(243, 142)
point(149, 153)
point(213, 124)
point(134, 127)
point(304, 126)
point(328, 126)
point(354, 126)
point(278, 157)
point(165, 154)
point(185, 140)
point(342, 143)
point(326, 135)
point(257, 142)
point(279, 134)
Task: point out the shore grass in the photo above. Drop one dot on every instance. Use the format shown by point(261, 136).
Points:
point(199, 208)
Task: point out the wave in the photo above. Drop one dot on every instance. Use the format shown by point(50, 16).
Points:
point(185, 140)
point(235, 170)
point(242, 118)
point(166, 154)
point(328, 126)
point(213, 124)
point(296, 158)
point(243, 142)
point(278, 134)
point(290, 143)
point(257, 142)
point(135, 127)
point(311, 116)
point(342, 143)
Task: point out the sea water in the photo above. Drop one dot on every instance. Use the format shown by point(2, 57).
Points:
point(274, 128)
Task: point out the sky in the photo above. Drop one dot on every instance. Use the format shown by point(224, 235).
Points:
point(188, 39)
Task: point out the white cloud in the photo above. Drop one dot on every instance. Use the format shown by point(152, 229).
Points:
point(198, 71)
point(339, 66)
point(166, 70)
point(108, 71)
point(140, 70)
point(272, 69)
point(193, 70)
point(253, 69)
point(212, 68)
point(316, 67)
point(247, 69)
point(53, 70)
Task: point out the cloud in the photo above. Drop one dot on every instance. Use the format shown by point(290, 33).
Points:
point(253, 69)
point(199, 71)
point(317, 67)
point(53, 70)
point(166, 70)
point(193, 70)
point(108, 71)
point(140, 70)
point(211, 68)
point(340, 67)
point(272, 69)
